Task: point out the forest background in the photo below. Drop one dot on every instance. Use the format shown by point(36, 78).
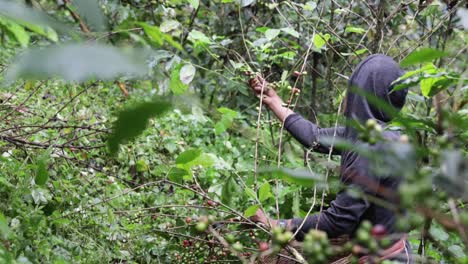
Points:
point(128, 133)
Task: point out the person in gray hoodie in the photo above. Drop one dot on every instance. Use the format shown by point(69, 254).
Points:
point(373, 77)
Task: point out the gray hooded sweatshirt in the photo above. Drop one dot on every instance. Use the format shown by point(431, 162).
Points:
point(373, 76)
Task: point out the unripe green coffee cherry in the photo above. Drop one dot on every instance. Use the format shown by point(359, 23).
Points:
point(363, 236)
point(237, 246)
point(201, 226)
point(371, 123)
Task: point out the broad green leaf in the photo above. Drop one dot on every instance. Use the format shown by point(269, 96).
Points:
point(270, 34)
point(251, 210)
point(194, 3)
point(205, 160)
point(226, 121)
point(422, 56)
point(42, 172)
point(197, 36)
point(176, 174)
point(250, 193)
point(352, 29)
point(16, 30)
point(132, 121)
point(158, 37)
point(153, 32)
point(90, 11)
point(187, 73)
point(264, 192)
point(188, 156)
point(458, 251)
point(47, 32)
point(175, 83)
point(438, 233)
point(320, 41)
point(169, 25)
point(291, 32)
point(411, 78)
point(83, 62)
point(289, 55)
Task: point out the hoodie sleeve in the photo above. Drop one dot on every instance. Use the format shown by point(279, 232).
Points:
point(309, 134)
point(342, 217)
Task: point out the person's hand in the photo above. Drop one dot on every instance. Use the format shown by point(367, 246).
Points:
point(270, 97)
point(260, 217)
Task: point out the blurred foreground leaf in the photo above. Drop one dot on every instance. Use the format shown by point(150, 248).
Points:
point(422, 56)
point(21, 13)
point(76, 62)
point(133, 121)
point(302, 177)
point(92, 13)
point(453, 176)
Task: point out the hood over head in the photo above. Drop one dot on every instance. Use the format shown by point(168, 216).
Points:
point(374, 76)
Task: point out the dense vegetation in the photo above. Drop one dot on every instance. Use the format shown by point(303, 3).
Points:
point(128, 133)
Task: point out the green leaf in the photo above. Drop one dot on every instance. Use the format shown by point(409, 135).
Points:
point(47, 32)
point(177, 174)
point(250, 193)
point(188, 156)
point(132, 121)
point(90, 61)
point(320, 41)
point(251, 210)
point(457, 251)
point(175, 83)
point(197, 36)
point(352, 29)
point(187, 73)
point(411, 78)
point(16, 30)
point(291, 32)
point(422, 56)
point(194, 3)
point(226, 120)
point(438, 233)
point(298, 176)
point(264, 192)
point(205, 160)
point(158, 37)
point(270, 34)
point(42, 173)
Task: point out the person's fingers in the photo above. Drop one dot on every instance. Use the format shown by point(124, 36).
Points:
point(267, 99)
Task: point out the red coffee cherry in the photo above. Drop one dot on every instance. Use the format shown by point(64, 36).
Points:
point(263, 246)
point(378, 231)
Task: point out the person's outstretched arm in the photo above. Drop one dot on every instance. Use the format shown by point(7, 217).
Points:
point(304, 131)
point(342, 217)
